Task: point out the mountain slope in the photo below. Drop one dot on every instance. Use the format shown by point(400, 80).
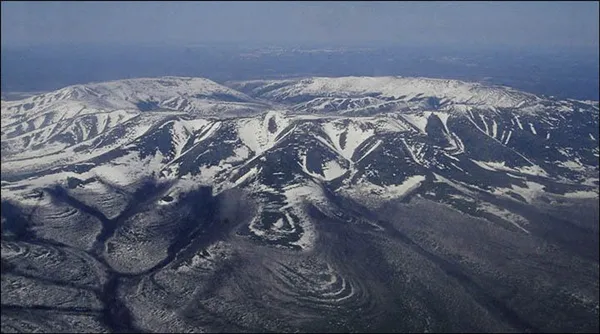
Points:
point(316, 186)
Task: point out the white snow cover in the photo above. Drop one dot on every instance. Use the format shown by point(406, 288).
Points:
point(530, 192)
point(418, 121)
point(256, 138)
point(457, 185)
point(254, 132)
point(128, 169)
point(80, 127)
point(371, 149)
point(573, 164)
point(518, 122)
point(508, 137)
point(356, 132)
point(487, 130)
point(332, 170)
point(532, 129)
point(443, 116)
point(296, 195)
point(582, 194)
point(30, 159)
point(188, 94)
point(501, 166)
point(253, 171)
point(494, 128)
point(216, 252)
point(372, 194)
point(455, 91)
point(508, 216)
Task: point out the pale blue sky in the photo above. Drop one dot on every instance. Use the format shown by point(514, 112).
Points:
point(506, 24)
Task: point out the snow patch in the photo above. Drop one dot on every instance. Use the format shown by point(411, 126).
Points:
point(374, 194)
point(529, 192)
point(509, 216)
point(494, 128)
point(508, 137)
point(355, 134)
point(332, 170)
point(581, 194)
point(419, 122)
point(532, 129)
point(501, 166)
point(575, 165)
point(518, 122)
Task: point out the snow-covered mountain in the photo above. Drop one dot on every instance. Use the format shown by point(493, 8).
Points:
point(113, 170)
point(350, 93)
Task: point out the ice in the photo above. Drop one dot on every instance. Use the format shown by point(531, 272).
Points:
point(252, 226)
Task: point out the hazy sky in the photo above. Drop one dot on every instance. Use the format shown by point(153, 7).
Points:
point(510, 24)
